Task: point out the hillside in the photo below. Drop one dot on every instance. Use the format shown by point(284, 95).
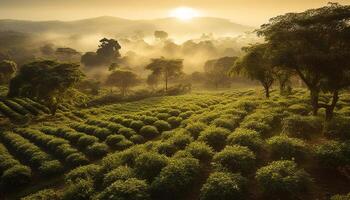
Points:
point(118, 26)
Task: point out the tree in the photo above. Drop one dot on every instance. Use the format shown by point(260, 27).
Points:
point(46, 81)
point(256, 65)
point(7, 70)
point(161, 35)
point(123, 80)
point(106, 54)
point(217, 71)
point(315, 44)
point(66, 54)
point(166, 69)
point(153, 80)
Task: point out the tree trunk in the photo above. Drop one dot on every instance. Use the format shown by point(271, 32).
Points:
point(166, 83)
point(267, 91)
point(330, 108)
point(314, 94)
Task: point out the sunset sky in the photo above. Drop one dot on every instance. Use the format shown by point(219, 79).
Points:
point(248, 12)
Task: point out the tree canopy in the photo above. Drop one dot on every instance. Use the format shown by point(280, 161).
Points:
point(46, 81)
point(7, 70)
point(316, 45)
point(122, 79)
point(166, 69)
point(217, 70)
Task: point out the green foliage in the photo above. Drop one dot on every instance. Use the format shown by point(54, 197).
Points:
point(136, 125)
point(176, 178)
point(301, 126)
point(332, 154)
point(97, 150)
point(119, 173)
point(16, 176)
point(46, 194)
point(223, 186)
point(83, 173)
point(246, 137)
point(113, 140)
point(149, 132)
point(214, 137)
point(130, 189)
point(286, 148)
point(162, 125)
point(200, 151)
point(341, 197)
point(127, 132)
point(235, 159)
point(79, 190)
point(174, 121)
point(338, 128)
point(282, 179)
point(196, 128)
point(148, 165)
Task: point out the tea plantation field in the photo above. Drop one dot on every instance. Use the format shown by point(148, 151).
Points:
point(228, 145)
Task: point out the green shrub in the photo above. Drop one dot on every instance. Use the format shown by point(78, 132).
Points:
point(149, 120)
point(214, 137)
point(235, 159)
point(258, 126)
point(136, 125)
point(130, 189)
point(53, 167)
point(149, 132)
point(15, 176)
point(47, 194)
point(76, 159)
point(341, 197)
point(124, 144)
point(286, 147)
point(338, 128)
point(180, 140)
point(282, 178)
point(223, 186)
point(176, 179)
point(162, 125)
point(126, 122)
point(332, 154)
point(97, 150)
point(112, 140)
point(163, 116)
point(119, 173)
point(85, 172)
point(86, 140)
point(196, 128)
point(229, 124)
point(301, 126)
point(174, 112)
point(166, 148)
point(148, 165)
point(186, 115)
point(200, 151)
point(245, 137)
point(174, 121)
point(80, 190)
point(127, 132)
point(301, 109)
point(137, 139)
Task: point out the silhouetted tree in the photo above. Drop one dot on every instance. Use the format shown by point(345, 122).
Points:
point(123, 80)
point(7, 70)
point(161, 35)
point(315, 44)
point(257, 66)
point(217, 71)
point(46, 81)
point(66, 54)
point(166, 68)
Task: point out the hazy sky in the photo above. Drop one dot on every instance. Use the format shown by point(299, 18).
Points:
point(249, 12)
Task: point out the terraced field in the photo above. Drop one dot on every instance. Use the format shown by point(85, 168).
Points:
point(194, 146)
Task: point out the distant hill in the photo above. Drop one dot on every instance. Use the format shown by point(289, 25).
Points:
point(123, 27)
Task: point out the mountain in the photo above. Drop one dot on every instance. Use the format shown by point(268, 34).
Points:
point(124, 27)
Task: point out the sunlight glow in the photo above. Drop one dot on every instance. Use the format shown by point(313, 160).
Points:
point(184, 13)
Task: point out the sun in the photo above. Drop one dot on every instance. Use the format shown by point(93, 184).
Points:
point(184, 13)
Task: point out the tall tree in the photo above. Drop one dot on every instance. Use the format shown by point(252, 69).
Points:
point(217, 71)
point(166, 69)
point(46, 81)
point(256, 65)
point(161, 35)
point(316, 45)
point(122, 79)
point(7, 70)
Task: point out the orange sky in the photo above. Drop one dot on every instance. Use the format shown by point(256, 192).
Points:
point(249, 12)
